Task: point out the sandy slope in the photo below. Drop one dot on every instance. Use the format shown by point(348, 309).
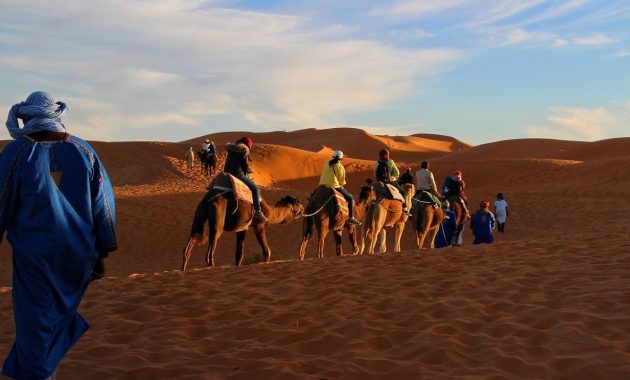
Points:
point(353, 142)
point(549, 300)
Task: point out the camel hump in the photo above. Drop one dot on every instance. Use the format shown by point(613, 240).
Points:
point(228, 183)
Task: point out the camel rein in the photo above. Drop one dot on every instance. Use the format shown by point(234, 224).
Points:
point(319, 209)
point(386, 209)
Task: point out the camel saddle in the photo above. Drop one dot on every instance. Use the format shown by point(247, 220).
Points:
point(337, 205)
point(388, 191)
point(425, 197)
point(228, 183)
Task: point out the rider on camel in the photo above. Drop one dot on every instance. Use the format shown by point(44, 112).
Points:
point(334, 175)
point(453, 190)
point(385, 171)
point(237, 164)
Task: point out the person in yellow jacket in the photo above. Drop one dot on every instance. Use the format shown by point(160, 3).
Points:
point(334, 175)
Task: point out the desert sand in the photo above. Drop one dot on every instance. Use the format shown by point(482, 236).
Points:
point(549, 299)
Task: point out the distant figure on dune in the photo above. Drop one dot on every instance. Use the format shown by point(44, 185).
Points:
point(406, 177)
point(482, 224)
point(57, 204)
point(211, 156)
point(205, 145)
point(190, 158)
point(369, 183)
point(501, 211)
point(448, 227)
point(237, 164)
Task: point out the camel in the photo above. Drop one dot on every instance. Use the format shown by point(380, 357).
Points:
point(366, 197)
point(460, 218)
point(224, 213)
point(319, 213)
point(427, 220)
point(385, 213)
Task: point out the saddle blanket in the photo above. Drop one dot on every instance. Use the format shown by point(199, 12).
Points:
point(227, 182)
point(396, 195)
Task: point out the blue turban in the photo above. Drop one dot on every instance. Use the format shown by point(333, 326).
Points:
point(39, 112)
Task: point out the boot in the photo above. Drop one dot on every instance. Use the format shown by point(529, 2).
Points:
point(354, 221)
point(259, 215)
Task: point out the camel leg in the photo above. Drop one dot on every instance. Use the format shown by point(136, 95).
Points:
point(261, 236)
point(213, 238)
point(338, 246)
point(187, 252)
point(382, 238)
point(352, 234)
point(322, 239)
point(240, 247)
point(432, 233)
point(400, 227)
point(307, 233)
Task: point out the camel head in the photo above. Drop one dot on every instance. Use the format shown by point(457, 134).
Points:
point(297, 208)
point(367, 194)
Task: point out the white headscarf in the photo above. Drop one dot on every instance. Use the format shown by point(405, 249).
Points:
point(39, 112)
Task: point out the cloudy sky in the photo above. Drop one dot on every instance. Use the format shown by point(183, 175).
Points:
point(478, 70)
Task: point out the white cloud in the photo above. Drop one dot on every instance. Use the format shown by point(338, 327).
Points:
point(594, 40)
point(622, 53)
point(585, 123)
point(411, 8)
point(133, 64)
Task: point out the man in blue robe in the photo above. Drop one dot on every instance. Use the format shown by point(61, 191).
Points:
point(482, 224)
point(448, 227)
point(57, 206)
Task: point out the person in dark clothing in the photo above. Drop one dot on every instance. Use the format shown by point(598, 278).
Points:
point(386, 171)
point(237, 164)
point(406, 177)
point(453, 190)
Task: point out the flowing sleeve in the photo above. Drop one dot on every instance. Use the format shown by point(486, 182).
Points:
point(9, 159)
point(103, 210)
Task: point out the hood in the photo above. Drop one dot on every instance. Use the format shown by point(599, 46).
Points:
point(237, 148)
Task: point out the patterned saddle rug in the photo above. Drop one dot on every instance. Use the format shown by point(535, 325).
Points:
point(227, 182)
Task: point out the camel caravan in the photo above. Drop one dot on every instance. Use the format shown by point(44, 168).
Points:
point(233, 204)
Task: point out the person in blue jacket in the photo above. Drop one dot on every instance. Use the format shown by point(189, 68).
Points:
point(482, 224)
point(448, 227)
point(57, 207)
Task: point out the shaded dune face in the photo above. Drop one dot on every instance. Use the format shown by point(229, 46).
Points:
point(549, 299)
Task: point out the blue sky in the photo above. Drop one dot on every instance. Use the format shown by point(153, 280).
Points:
point(478, 70)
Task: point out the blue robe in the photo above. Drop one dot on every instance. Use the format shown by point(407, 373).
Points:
point(482, 224)
point(444, 236)
point(57, 206)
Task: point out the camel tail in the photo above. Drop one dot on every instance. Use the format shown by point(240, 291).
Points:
point(198, 232)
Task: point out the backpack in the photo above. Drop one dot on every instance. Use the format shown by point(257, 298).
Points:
point(382, 172)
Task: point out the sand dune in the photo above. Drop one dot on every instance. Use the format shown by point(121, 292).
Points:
point(549, 299)
point(353, 142)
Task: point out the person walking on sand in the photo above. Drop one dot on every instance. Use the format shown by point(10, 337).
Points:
point(57, 206)
point(501, 212)
point(482, 224)
point(334, 175)
point(190, 158)
point(448, 227)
